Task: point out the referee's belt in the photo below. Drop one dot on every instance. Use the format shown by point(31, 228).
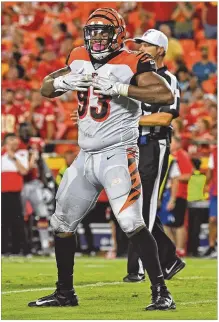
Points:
point(144, 139)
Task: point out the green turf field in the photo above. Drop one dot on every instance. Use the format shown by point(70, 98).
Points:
point(101, 293)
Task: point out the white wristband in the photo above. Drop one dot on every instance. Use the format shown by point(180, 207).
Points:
point(57, 84)
point(123, 89)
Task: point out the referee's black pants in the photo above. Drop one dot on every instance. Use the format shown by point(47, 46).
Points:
point(12, 223)
point(153, 164)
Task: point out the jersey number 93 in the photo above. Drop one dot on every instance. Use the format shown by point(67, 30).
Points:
point(98, 113)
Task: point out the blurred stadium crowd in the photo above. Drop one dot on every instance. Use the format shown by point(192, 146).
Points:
point(37, 38)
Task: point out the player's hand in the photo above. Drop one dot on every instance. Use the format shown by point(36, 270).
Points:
point(73, 82)
point(74, 117)
point(109, 87)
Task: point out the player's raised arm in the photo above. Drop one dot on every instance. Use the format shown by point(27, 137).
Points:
point(146, 85)
point(152, 89)
point(63, 80)
point(47, 88)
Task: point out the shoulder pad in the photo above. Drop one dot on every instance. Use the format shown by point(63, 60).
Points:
point(78, 53)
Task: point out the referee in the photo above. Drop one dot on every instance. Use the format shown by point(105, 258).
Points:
point(154, 146)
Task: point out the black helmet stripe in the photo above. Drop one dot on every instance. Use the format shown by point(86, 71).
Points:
point(112, 13)
point(102, 16)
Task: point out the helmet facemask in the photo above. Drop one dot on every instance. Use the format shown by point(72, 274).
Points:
point(99, 40)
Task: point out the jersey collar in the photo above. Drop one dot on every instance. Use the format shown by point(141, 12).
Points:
point(99, 63)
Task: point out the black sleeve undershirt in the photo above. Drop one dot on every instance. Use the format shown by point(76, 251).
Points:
point(143, 67)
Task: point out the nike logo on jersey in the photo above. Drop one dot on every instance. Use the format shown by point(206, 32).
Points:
point(169, 270)
point(110, 157)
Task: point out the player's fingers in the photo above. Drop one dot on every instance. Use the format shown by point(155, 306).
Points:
point(98, 91)
point(96, 85)
point(74, 120)
point(84, 84)
point(102, 81)
point(139, 53)
point(73, 117)
point(68, 87)
point(81, 89)
point(86, 78)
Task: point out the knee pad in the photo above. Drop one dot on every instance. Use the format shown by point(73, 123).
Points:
point(59, 226)
point(117, 182)
point(129, 223)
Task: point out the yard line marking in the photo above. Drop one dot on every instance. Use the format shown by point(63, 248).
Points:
point(96, 265)
point(29, 290)
point(197, 302)
point(52, 288)
point(52, 260)
point(196, 278)
point(99, 284)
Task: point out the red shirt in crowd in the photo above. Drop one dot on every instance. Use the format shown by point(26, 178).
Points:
point(42, 115)
point(10, 119)
point(15, 84)
point(213, 166)
point(163, 10)
point(195, 111)
point(32, 22)
point(211, 16)
point(35, 146)
point(23, 109)
point(12, 116)
point(45, 68)
point(186, 167)
point(12, 180)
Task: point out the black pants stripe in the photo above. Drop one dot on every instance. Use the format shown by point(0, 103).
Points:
point(153, 165)
point(12, 223)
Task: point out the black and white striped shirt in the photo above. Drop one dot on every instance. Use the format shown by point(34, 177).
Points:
point(149, 109)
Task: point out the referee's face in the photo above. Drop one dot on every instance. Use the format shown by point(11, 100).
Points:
point(148, 48)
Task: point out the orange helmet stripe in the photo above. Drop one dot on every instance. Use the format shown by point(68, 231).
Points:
point(107, 13)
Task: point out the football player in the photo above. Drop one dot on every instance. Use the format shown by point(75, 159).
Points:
point(110, 83)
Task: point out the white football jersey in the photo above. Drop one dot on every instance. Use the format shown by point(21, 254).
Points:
point(109, 122)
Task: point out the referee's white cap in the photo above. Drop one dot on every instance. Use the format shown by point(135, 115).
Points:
point(154, 37)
